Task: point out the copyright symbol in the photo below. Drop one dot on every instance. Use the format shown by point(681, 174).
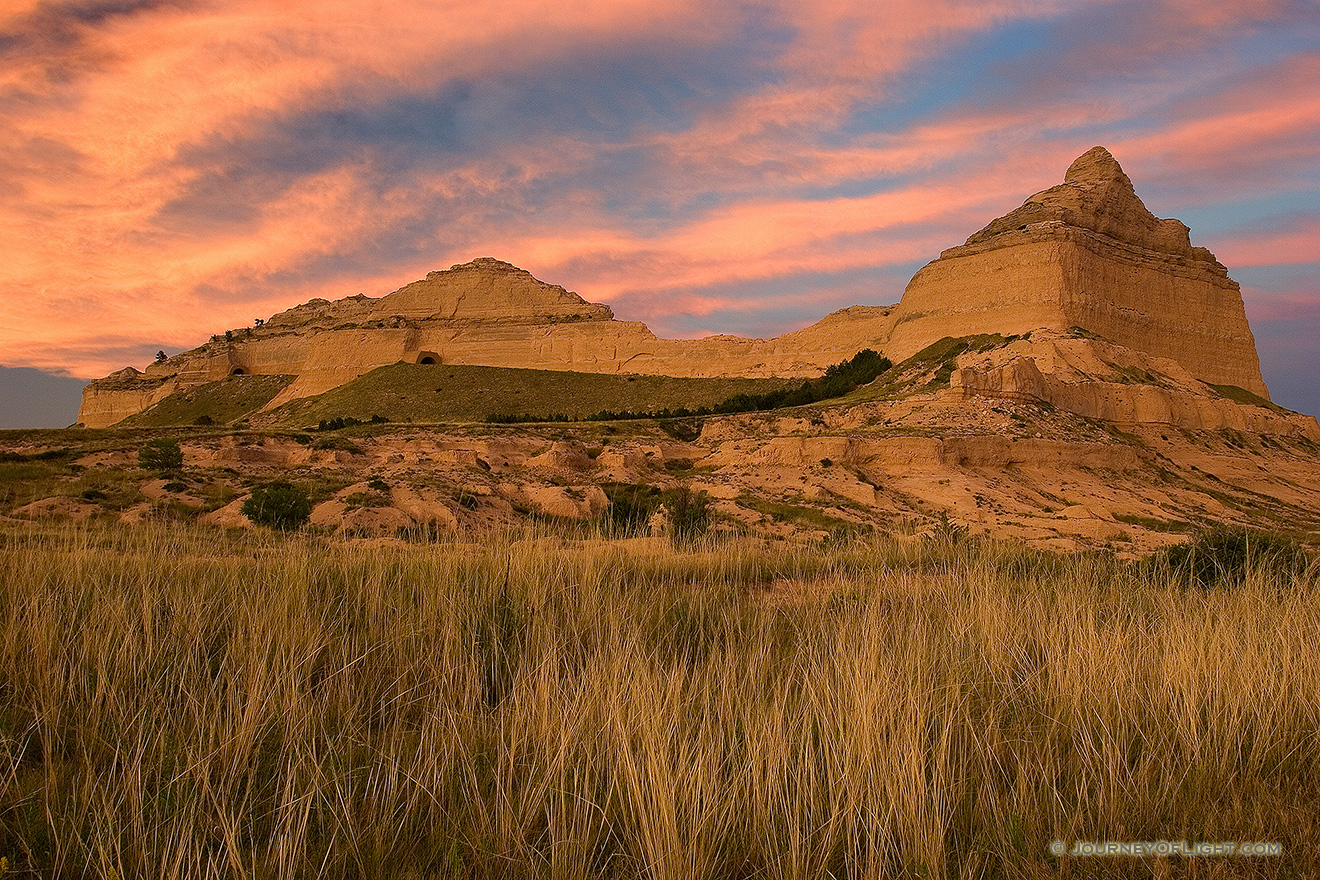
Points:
point(1058, 848)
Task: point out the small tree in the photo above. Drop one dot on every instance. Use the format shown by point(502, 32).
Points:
point(631, 508)
point(161, 454)
point(689, 514)
point(161, 357)
point(278, 505)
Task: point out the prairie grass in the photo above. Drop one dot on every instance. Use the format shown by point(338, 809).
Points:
point(186, 703)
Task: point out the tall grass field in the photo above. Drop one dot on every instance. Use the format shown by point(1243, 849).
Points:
point(189, 703)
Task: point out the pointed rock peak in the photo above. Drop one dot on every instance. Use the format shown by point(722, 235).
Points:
point(487, 264)
point(1095, 196)
point(1096, 166)
point(487, 289)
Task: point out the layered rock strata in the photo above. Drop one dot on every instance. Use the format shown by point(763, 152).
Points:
point(1083, 254)
point(1112, 383)
point(485, 312)
point(1088, 254)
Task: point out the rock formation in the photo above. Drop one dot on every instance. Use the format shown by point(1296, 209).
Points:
point(1087, 254)
point(1104, 393)
point(1084, 254)
point(485, 312)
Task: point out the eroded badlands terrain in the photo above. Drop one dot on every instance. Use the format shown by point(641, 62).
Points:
point(1076, 375)
point(957, 437)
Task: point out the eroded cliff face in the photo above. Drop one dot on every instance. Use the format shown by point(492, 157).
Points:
point(487, 289)
point(1102, 380)
point(485, 312)
point(1087, 253)
point(121, 394)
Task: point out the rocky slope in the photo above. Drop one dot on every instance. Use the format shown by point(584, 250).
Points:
point(1058, 439)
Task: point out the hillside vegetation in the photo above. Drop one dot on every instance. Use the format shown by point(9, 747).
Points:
point(215, 403)
point(839, 379)
point(430, 393)
point(182, 703)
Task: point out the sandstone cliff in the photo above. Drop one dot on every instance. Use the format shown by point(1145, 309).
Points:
point(1086, 253)
point(485, 312)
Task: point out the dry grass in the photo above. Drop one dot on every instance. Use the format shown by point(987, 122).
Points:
point(182, 703)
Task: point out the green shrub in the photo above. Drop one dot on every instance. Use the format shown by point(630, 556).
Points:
point(631, 507)
point(689, 513)
point(1225, 555)
point(347, 422)
point(339, 443)
point(160, 454)
point(278, 505)
point(360, 500)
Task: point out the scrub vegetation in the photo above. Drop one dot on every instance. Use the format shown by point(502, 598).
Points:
point(839, 379)
point(435, 393)
point(215, 403)
point(186, 702)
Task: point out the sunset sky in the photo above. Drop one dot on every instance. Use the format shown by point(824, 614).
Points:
point(172, 169)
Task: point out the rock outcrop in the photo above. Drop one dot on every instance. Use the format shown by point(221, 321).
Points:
point(484, 312)
point(122, 394)
point(1088, 254)
point(1083, 254)
point(1111, 383)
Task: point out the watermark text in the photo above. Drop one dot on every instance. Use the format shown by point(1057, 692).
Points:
point(1166, 848)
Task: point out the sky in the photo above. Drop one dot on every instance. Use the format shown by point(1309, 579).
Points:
point(172, 169)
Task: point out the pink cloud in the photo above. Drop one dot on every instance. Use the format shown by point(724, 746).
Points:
point(1297, 244)
point(1299, 303)
point(1265, 123)
point(845, 51)
point(100, 144)
point(90, 259)
point(92, 147)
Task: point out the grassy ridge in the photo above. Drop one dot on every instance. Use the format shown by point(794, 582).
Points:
point(1245, 397)
point(439, 393)
point(427, 393)
point(219, 402)
point(182, 704)
point(839, 379)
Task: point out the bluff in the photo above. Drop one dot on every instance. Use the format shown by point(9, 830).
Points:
point(485, 312)
point(1084, 254)
point(1087, 253)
